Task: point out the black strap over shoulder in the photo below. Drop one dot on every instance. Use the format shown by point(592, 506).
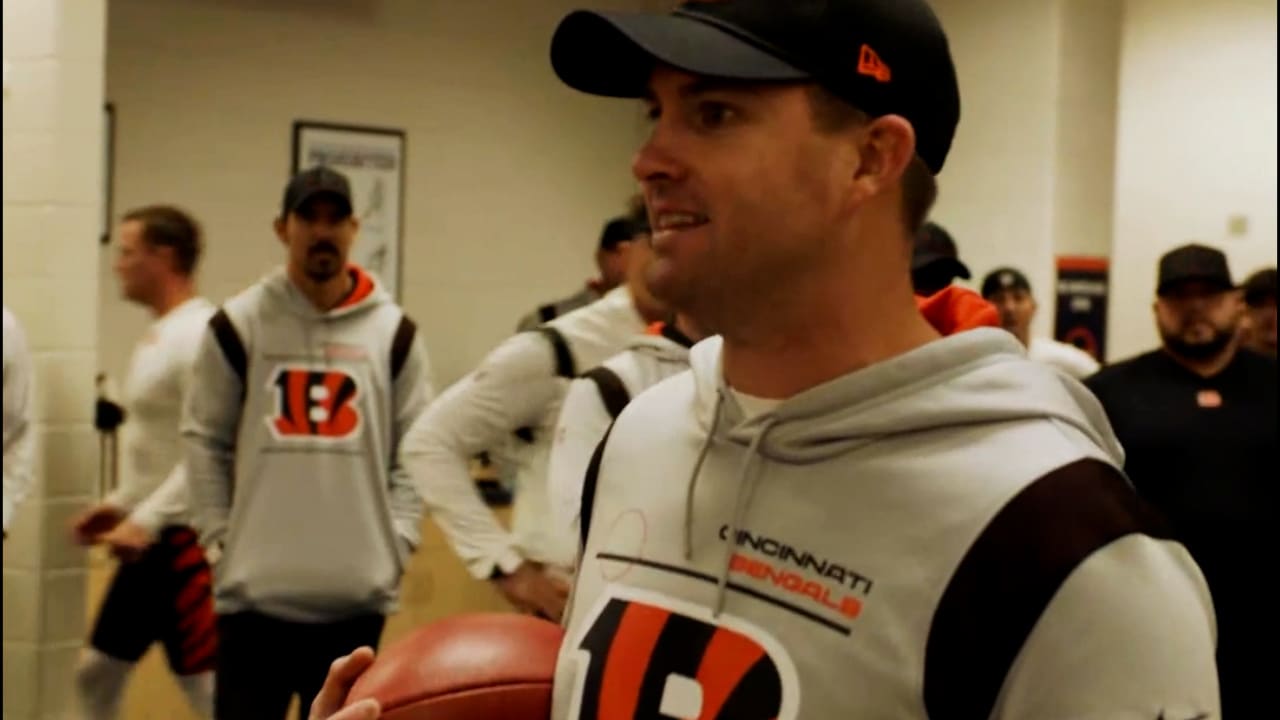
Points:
point(672, 333)
point(589, 484)
point(564, 357)
point(548, 312)
point(231, 344)
point(612, 391)
point(401, 345)
point(565, 367)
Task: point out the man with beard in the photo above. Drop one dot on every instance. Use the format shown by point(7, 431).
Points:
point(303, 388)
point(1197, 420)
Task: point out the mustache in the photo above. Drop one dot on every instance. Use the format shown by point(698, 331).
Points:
point(323, 246)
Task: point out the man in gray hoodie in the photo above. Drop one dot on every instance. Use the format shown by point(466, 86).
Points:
point(838, 513)
point(303, 388)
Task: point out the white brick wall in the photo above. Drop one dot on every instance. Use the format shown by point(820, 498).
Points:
point(52, 157)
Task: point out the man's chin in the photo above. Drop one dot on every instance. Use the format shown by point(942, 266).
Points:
point(1198, 350)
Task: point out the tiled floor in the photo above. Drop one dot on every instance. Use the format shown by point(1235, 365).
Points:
point(435, 586)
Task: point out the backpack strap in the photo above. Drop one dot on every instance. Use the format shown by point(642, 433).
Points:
point(564, 367)
point(589, 484)
point(564, 358)
point(401, 345)
point(612, 391)
point(232, 347)
point(547, 312)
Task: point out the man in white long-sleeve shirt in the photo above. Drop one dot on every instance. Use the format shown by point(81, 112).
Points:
point(160, 593)
point(19, 439)
point(595, 400)
point(518, 388)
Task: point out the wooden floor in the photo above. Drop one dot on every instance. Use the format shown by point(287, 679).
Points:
point(435, 586)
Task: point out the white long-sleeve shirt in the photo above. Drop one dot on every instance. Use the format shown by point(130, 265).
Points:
point(153, 479)
point(19, 436)
point(515, 387)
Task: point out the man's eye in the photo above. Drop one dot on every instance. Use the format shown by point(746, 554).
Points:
point(712, 115)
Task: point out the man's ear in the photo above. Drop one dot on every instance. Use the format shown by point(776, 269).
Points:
point(278, 226)
point(887, 146)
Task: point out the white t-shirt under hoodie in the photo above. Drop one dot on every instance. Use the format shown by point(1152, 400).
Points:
point(153, 475)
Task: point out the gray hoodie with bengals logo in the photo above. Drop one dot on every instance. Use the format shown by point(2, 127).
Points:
point(293, 427)
point(946, 534)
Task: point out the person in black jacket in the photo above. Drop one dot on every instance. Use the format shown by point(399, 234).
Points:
point(1197, 419)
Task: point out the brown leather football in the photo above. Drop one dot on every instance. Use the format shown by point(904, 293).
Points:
point(482, 666)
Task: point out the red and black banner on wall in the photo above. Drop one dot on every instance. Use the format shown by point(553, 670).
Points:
point(1081, 314)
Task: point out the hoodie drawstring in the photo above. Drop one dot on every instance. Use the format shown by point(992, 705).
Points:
point(746, 488)
point(693, 479)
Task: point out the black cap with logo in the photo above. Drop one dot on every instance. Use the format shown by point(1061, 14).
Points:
point(317, 181)
point(1005, 278)
point(882, 56)
point(1193, 263)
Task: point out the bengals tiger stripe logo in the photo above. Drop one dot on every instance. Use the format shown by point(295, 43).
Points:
point(651, 663)
point(314, 404)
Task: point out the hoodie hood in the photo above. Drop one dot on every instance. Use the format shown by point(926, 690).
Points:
point(662, 342)
point(974, 377)
point(366, 293)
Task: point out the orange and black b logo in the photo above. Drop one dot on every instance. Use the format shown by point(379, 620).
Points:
point(648, 662)
point(314, 404)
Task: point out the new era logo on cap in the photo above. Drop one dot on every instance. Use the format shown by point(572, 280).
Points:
point(870, 64)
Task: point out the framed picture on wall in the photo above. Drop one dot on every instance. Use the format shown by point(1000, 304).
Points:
point(108, 168)
point(373, 160)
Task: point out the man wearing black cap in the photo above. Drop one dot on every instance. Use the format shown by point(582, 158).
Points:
point(1010, 291)
point(303, 388)
point(837, 513)
point(935, 261)
point(1259, 328)
point(1197, 419)
point(611, 259)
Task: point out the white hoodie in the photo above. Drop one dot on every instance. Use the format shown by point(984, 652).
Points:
point(585, 417)
point(517, 386)
point(944, 535)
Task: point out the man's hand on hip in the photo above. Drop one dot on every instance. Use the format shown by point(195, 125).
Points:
point(531, 589)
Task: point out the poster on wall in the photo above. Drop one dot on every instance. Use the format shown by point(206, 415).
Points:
point(373, 160)
point(108, 169)
point(1081, 317)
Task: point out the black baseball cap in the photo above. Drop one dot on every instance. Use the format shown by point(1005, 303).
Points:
point(620, 230)
point(312, 183)
point(935, 249)
point(1260, 288)
point(1193, 262)
point(1005, 278)
point(882, 56)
